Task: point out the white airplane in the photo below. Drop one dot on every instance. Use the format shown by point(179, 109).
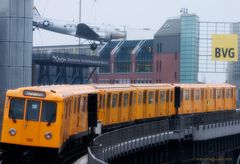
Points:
point(81, 30)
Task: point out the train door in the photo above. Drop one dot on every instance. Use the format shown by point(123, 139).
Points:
point(211, 100)
point(150, 104)
point(167, 102)
point(31, 126)
point(218, 99)
point(187, 99)
point(139, 110)
point(74, 116)
point(205, 100)
point(125, 107)
point(104, 109)
point(120, 102)
point(214, 99)
point(92, 100)
point(134, 106)
point(156, 103)
point(132, 103)
point(162, 103)
point(144, 103)
point(223, 99)
point(113, 112)
point(78, 113)
point(108, 107)
point(85, 113)
point(171, 104)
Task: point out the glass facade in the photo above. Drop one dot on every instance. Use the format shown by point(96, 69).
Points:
point(144, 58)
point(189, 49)
point(233, 68)
point(122, 59)
point(105, 55)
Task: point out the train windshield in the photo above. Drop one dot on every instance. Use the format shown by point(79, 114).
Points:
point(16, 108)
point(34, 108)
point(48, 111)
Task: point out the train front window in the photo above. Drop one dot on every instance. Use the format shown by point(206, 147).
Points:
point(16, 108)
point(48, 111)
point(33, 108)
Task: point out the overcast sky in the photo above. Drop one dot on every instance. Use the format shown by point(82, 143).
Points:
point(135, 14)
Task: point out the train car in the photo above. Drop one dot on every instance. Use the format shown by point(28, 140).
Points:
point(202, 98)
point(57, 118)
point(43, 118)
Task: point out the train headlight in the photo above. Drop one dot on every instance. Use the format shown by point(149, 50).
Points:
point(12, 132)
point(48, 135)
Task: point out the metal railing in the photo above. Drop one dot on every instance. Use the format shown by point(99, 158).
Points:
point(113, 144)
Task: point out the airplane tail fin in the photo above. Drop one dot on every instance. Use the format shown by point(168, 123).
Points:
point(36, 15)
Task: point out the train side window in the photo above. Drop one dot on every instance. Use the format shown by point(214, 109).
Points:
point(66, 108)
point(171, 96)
point(202, 94)
point(125, 99)
point(197, 94)
point(84, 102)
point(231, 93)
point(75, 104)
point(181, 95)
point(162, 96)
point(69, 107)
point(16, 108)
point(103, 103)
point(150, 97)
point(156, 97)
point(214, 93)
point(99, 101)
point(140, 98)
point(144, 97)
point(134, 98)
point(186, 95)
point(227, 93)
point(192, 94)
point(114, 100)
point(206, 94)
point(120, 100)
point(79, 104)
point(167, 95)
point(130, 98)
point(218, 93)
point(108, 100)
point(223, 93)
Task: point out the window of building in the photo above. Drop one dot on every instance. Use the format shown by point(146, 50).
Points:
point(159, 47)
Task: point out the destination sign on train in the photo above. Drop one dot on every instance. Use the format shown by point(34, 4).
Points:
point(34, 93)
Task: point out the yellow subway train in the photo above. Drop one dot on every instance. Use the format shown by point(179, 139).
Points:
point(57, 117)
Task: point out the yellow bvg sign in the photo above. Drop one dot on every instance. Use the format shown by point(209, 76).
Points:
point(225, 47)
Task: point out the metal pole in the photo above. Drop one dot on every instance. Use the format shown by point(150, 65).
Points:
point(80, 16)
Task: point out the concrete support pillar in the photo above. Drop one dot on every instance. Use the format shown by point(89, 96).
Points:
point(15, 45)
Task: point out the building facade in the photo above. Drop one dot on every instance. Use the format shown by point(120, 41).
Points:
point(189, 48)
point(144, 61)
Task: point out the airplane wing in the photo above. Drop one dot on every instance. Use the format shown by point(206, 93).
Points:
point(84, 31)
